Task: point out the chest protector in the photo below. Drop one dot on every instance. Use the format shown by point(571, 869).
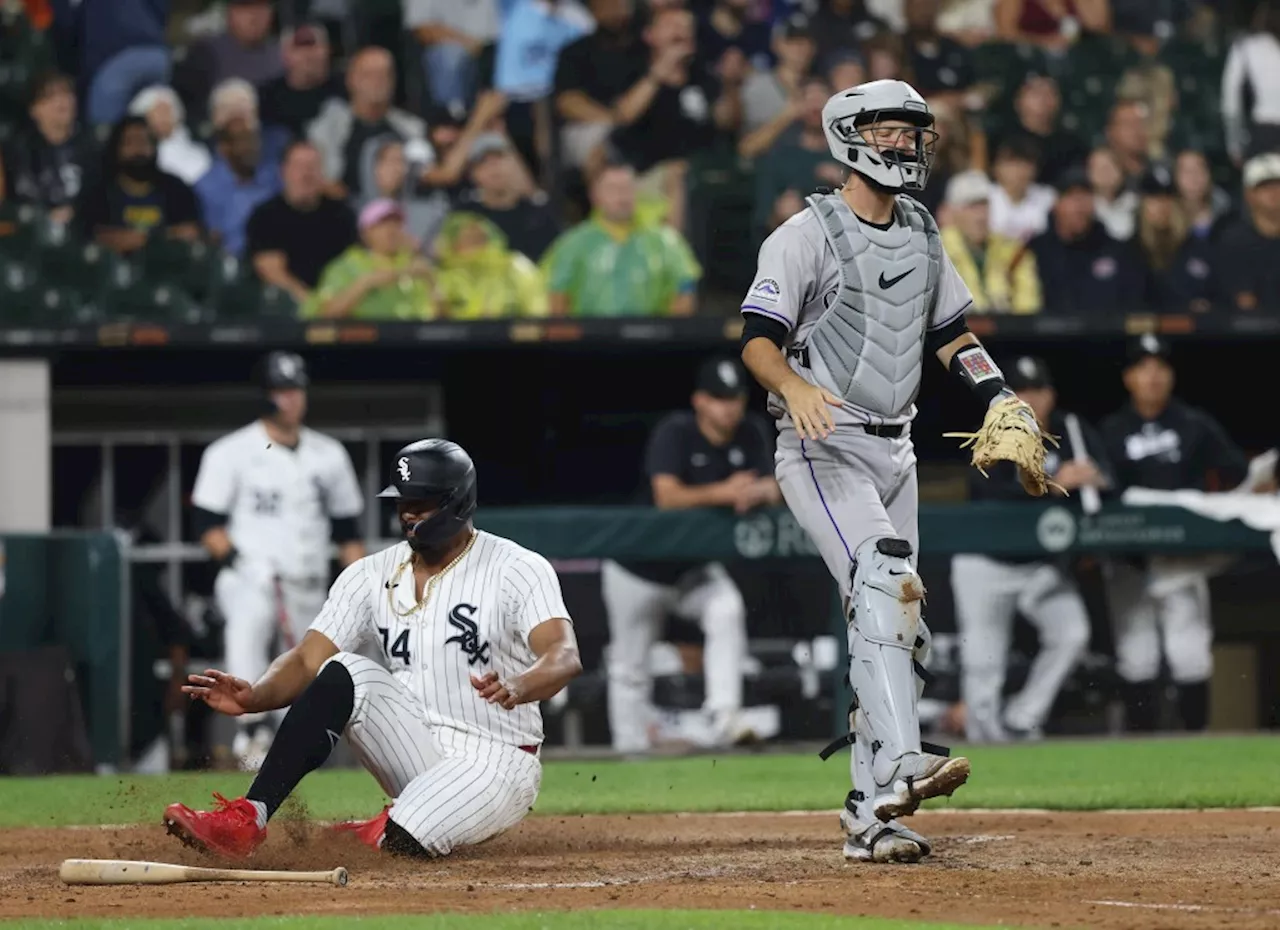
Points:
point(868, 345)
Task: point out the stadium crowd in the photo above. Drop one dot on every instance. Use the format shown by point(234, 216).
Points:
point(469, 159)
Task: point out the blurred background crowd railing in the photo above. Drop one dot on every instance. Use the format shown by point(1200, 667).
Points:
point(179, 161)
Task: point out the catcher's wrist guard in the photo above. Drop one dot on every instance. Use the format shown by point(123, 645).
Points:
point(974, 367)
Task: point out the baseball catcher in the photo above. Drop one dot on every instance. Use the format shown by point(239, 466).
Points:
point(850, 296)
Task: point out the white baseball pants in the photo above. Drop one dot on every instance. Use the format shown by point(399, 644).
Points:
point(987, 593)
point(260, 610)
point(1146, 618)
point(450, 788)
point(637, 609)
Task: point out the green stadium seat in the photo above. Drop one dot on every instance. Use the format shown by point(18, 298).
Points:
point(19, 226)
point(15, 77)
point(84, 268)
point(186, 265)
point(147, 302)
point(27, 300)
point(237, 294)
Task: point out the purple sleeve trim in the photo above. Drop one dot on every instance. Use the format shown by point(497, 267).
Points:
point(777, 316)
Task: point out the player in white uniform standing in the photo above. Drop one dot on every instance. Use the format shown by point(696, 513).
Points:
point(849, 296)
point(269, 499)
point(475, 634)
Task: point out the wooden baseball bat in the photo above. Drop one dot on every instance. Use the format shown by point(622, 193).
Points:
point(130, 872)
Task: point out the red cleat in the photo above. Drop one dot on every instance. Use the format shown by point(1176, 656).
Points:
point(369, 832)
point(230, 830)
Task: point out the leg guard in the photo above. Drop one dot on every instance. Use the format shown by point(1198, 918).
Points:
point(885, 632)
point(884, 626)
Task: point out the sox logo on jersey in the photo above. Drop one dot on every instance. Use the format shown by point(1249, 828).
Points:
point(468, 638)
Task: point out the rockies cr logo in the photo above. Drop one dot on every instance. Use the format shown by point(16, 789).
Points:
point(403, 467)
point(468, 638)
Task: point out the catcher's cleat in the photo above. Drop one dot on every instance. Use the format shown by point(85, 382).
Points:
point(879, 842)
point(231, 829)
point(936, 776)
point(369, 832)
point(850, 824)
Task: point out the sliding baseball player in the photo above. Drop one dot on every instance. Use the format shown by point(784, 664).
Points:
point(849, 297)
point(474, 634)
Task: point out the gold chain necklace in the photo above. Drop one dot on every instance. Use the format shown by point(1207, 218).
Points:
point(431, 582)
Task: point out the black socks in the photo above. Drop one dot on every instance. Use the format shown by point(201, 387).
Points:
point(306, 737)
point(1142, 706)
point(1193, 704)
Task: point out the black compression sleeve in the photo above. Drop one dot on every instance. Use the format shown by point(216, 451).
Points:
point(935, 339)
point(204, 520)
point(343, 529)
point(758, 325)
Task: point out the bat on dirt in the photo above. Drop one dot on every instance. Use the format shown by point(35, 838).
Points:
point(130, 872)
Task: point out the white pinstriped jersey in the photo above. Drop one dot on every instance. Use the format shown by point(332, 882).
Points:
point(477, 618)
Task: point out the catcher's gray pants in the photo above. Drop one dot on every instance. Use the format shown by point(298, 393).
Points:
point(847, 488)
point(987, 593)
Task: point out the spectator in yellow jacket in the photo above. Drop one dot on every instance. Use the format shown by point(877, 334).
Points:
point(479, 278)
point(1000, 272)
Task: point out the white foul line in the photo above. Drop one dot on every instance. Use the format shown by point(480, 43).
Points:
point(1187, 907)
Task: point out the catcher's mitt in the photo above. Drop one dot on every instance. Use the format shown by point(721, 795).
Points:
point(1008, 433)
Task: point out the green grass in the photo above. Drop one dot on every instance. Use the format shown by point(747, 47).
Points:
point(1186, 773)
point(587, 920)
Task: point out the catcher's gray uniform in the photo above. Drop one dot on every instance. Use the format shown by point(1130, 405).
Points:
point(860, 482)
point(859, 301)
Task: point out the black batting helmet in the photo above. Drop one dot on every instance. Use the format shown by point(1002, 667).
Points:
point(441, 472)
point(280, 370)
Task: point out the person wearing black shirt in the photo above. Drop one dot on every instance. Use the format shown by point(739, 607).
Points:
point(294, 98)
point(1083, 271)
point(671, 109)
point(1156, 441)
point(988, 590)
point(1248, 250)
point(136, 199)
point(1037, 106)
point(594, 74)
point(711, 456)
point(47, 164)
point(529, 223)
point(292, 236)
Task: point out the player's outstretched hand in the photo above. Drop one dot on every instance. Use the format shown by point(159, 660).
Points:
point(494, 690)
point(224, 693)
point(809, 406)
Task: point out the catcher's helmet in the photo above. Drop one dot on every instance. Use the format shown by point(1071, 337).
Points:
point(894, 168)
point(441, 472)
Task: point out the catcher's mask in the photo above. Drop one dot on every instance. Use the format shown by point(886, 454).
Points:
point(884, 132)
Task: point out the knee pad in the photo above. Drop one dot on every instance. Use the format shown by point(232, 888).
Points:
point(397, 841)
point(887, 594)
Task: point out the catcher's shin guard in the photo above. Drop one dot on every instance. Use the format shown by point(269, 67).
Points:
point(885, 632)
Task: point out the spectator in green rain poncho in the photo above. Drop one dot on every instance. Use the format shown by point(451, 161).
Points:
point(614, 264)
point(379, 278)
point(478, 277)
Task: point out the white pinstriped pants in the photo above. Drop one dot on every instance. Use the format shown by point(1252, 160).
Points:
point(450, 788)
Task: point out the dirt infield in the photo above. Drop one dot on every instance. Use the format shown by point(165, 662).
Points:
point(1120, 870)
